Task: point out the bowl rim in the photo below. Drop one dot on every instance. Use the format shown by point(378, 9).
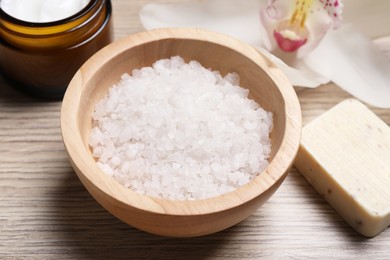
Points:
point(80, 159)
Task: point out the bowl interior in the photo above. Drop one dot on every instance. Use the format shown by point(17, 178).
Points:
point(211, 55)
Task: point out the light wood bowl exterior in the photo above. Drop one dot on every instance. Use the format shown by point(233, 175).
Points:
point(267, 85)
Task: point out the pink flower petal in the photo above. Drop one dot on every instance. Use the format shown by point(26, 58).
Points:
point(288, 45)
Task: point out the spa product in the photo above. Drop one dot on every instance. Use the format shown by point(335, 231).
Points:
point(179, 131)
point(345, 155)
point(41, 57)
point(40, 11)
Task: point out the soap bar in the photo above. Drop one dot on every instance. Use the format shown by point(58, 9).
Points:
point(345, 155)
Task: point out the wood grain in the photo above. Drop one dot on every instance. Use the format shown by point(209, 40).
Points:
point(46, 213)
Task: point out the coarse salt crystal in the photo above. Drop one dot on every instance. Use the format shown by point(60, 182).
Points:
point(179, 131)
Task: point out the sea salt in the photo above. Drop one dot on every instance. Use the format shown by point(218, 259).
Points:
point(180, 131)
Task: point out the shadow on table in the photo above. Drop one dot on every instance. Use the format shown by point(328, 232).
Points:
point(85, 230)
point(90, 231)
point(10, 91)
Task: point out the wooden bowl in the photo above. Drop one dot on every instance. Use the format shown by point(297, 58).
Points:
point(267, 85)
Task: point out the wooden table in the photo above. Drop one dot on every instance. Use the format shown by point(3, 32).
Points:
point(46, 213)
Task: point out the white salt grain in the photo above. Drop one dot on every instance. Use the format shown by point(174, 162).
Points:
point(179, 131)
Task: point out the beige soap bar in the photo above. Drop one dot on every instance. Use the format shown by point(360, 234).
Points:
point(345, 155)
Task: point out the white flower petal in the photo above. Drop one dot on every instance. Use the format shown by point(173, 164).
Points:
point(372, 18)
point(239, 19)
point(302, 77)
point(354, 63)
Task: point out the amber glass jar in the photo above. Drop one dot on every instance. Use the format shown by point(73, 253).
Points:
point(41, 58)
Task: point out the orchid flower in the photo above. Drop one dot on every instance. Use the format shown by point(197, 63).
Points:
point(305, 38)
point(299, 25)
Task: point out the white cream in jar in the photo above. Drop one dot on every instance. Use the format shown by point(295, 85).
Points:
point(42, 11)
